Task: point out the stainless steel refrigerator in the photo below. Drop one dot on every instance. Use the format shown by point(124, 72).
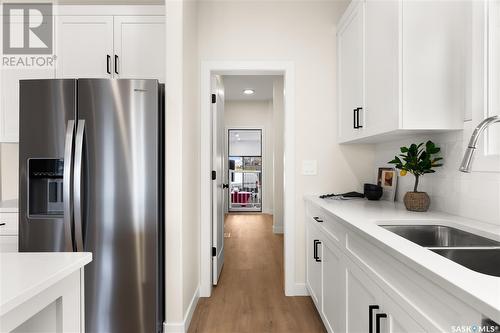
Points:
point(91, 179)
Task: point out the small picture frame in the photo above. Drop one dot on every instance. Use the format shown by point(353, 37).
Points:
point(388, 179)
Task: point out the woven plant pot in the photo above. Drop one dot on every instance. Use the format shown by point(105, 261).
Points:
point(417, 201)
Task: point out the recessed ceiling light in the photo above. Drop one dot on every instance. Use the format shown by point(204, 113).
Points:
point(248, 91)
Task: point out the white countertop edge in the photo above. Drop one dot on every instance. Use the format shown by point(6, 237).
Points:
point(479, 290)
point(81, 259)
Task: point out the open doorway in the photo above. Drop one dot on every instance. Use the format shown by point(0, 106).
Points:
point(215, 189)
point(247, 118)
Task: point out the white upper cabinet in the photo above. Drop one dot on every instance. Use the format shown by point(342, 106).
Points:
point(350, 70)
point(84, 46)
point(413, 68)
point(139, 47)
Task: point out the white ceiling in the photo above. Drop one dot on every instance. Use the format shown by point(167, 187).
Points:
point(235, 84)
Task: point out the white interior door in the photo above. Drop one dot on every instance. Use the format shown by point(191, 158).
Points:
point(217, 188)
point(139, 47)
point(84, 47)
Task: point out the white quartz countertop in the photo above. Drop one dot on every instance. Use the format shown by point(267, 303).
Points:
point(24, 275)
point(480, 291)
point(9, 206)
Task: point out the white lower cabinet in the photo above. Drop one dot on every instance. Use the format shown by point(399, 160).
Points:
point(358, 288)
point(8, 232)
point(333, 277)
point(314, 264)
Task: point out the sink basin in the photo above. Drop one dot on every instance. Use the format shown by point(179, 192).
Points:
point(486, 261)
point(440, 236)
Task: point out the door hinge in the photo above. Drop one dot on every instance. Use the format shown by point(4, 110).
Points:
point(214, 251)
point(214, 98)
point(214, 175)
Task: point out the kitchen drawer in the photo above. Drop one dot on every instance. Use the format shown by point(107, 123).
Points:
point(8, 244)
point(329, 223)
point(11, 224)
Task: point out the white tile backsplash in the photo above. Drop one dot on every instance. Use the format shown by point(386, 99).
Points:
point(475, 195)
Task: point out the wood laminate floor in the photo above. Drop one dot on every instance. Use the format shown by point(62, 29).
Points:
point(250, 295)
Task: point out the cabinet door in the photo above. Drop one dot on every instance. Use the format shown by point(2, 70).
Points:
point(313, 264)
point(139, 47)
point(84, 46)
point(381, 66)
point(360, 295)
point(9, 101)
point(8, 244)
point(350, 69)
point(334, 286)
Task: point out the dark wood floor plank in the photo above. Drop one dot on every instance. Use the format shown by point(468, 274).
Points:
point(250, 295)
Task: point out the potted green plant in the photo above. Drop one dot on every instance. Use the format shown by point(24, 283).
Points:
point(417, 160)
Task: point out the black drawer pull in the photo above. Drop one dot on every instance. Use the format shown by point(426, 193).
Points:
point(357, 118)
point(108, 64)
point(317, 219)
point(370, 317)
point(1, 224)
point(379, 316)
point(316, 256)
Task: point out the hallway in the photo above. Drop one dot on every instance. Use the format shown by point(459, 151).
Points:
point(250, 295)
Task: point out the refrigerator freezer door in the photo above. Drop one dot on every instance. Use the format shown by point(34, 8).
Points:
point(120, 198)
point(47, 111)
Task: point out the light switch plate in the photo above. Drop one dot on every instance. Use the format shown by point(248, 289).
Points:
point(309, 167)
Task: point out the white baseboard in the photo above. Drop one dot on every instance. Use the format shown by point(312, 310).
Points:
point(301, 289)
point(278, 229)
point(184, 325)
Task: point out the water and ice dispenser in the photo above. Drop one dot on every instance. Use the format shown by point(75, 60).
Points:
point(45, 187)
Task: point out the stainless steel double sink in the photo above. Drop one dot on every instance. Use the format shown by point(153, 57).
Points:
point(475, 252)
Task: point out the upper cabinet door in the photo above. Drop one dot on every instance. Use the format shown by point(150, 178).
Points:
point(382, 68)
point(350, 71)
point(139, 47)
point(84, 46)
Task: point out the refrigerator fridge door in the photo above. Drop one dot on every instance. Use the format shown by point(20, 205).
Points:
point(118, 123)
point(46, 129)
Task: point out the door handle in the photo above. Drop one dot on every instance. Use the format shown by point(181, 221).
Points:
point(108, 63)
point(116, 64)
point(378, 317)
point(370, 317)
point(316, 255)
point(357, 118)
point(317, 219)
point(77, 185)
point(354, 118)
point(67, 197)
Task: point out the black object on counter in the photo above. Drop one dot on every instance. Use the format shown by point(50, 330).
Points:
point(373, 192)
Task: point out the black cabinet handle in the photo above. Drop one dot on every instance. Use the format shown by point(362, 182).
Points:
point(108, 64)
point(379, 316)
point(116, 64)
point(370, 317)
point(354, 118)
point(317, 219)
point(1, 224)
point(316, 256)
point(357, 118)
point(225, 185)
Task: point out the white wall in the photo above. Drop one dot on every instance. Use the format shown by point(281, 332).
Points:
point(302, 32)
point(258, 115)
point(9, 171)
point(475, 195)
point(182, 164)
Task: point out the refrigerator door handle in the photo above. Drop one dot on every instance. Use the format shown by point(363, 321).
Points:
point(68, 207)
point(77, 185)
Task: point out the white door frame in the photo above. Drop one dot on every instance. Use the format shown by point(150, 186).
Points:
point(287, 69)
